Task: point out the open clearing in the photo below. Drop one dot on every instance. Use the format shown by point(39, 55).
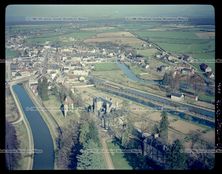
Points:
point(106, 67)
point(121, 38)
point(205, 35)
point(97, 28)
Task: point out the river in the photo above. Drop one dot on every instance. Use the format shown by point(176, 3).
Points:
point(40, 131)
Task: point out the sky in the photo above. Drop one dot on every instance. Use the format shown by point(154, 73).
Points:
point(108, 10)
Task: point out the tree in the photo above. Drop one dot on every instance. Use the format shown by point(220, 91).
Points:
point(43, 88)
point(67, 146)
point(84, 131)
point(125, 138)
point(164, 123)
point(11, 143)
point(88, 130)
point(176, 159)
point(89, 158)
point(194, 136)
point(155, 129)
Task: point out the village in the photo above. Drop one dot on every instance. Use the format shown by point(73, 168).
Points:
point(127, 94)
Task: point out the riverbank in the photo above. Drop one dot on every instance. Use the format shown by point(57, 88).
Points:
point(28, 128)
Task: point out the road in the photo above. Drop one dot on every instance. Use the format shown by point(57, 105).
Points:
point(107, 156)
point(103, 138)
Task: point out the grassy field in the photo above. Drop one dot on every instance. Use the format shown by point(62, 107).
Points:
point(206, 98)
point(179, 41)
point(9, 53)
point(22, 136)
point(106, 67)
point(119, 77)
point(200, 57)
point(118, 159)
point(147, 52)
point(80, 35)
point(120, 38)
point(53, 107)
point(135, 69)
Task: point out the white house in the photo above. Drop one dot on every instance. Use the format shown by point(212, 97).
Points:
point(177, 96)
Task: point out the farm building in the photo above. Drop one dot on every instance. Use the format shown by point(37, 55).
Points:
point(193, 97)
point(177, 96)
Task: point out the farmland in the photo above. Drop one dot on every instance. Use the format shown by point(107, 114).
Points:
point(147, 52)
point(120, 38)
point(106, 67)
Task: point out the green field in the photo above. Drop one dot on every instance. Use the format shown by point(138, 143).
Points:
point(80, 35)
point(148, 52)
point(118, 159)
point(9, 53)
point(135, 69)
point(204, 58)
point(178, 41)
point(106, 67)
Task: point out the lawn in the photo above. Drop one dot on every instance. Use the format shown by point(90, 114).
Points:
point(148, 52)
point(53, 107)
point(9, 53)
point(106, 67)
point(118, 159)
point(207, 58)
point(206, 98)
point(135, 69)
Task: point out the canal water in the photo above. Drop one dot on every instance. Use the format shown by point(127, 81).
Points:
point(157, 107)
point(41, 135)
point(133, 77)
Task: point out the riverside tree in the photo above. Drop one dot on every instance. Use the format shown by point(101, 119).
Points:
point(43, 88)
point(164, 123)
point(176, 158)
point(90, 158)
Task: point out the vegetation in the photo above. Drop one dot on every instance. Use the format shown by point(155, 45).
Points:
point(43, 88)
point(66, 143)
point(164, 123)
point(106, 67)
point(9, 53)
point(118, 159)
point(176, 159)
point(11, 144)
point(125, 138)
point(88, 158)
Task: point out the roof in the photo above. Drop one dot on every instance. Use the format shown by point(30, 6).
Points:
point(203, 66)
point(176, 94)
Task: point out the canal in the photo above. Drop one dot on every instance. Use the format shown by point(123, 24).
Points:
point(133, 77)
point(40, 131)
